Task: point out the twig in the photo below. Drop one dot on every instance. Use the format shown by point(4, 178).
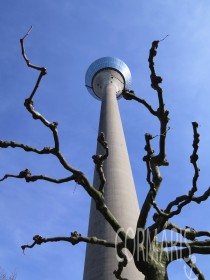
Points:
point(42, 69)
point(164, 134)
point(163, 38)
point(27, 33)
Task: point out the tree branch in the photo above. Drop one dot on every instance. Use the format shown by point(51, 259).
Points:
point(194, 268)
point(183, 200)
point(153, 162)
point(12, 144)
point(99, 160)
point(24, 54)
point(26, 174)
point(74, 239)
point(194, 158)
point(121, 264)
point(162, 114)
point(188, 232)
point(36, 115)
point(130, 95)
point(80, 178)
point(175, 243)
point(42, 70)
point(152, 191)
point(29, 102)
point(186, 252)
point(83, 181)
point(154, 183)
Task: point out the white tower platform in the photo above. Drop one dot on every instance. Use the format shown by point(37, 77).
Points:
point(105, 80)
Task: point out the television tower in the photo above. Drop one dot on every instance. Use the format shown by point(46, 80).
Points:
point(105, 80)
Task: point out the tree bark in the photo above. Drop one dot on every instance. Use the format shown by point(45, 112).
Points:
point(157, 274)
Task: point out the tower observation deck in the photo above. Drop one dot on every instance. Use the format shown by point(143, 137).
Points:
point(105, 80)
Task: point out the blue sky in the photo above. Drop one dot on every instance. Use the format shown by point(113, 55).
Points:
point(67, 37)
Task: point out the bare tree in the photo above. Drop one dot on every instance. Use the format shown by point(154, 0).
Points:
point(4, 276)
point(151, 256)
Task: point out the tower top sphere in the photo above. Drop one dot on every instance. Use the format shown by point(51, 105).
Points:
point(105, 71)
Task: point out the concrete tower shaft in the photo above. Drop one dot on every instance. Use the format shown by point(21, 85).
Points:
point(119, 192)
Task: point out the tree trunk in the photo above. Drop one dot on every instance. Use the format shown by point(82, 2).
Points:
point(153, 265)
point(157, 275)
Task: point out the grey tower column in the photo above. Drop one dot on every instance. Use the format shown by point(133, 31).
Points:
point(119, 192)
